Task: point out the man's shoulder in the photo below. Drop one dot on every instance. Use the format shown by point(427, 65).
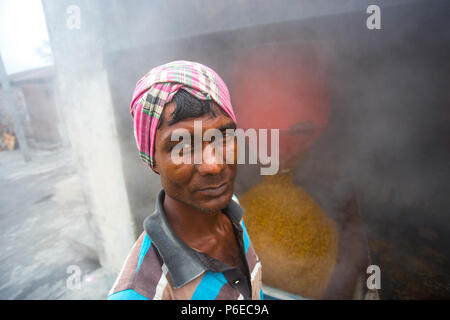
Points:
point(140, 273)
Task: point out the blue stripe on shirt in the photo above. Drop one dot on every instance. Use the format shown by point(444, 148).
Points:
point(209, 286)
point(144, 248)
point(246, 240)
point(128, 294)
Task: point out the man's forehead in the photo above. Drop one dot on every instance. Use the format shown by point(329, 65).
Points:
point(208, 121)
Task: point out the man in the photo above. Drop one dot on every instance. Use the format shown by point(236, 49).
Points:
point(195, 245)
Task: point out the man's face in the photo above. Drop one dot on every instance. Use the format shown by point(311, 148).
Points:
point(207, 186)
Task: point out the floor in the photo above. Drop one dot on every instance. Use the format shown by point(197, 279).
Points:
point(47, 249)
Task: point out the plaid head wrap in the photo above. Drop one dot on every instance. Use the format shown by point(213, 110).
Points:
point(158, 87)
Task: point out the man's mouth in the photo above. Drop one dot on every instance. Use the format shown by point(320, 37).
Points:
point(216, 190)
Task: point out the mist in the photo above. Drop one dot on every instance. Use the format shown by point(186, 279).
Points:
point(380, 169)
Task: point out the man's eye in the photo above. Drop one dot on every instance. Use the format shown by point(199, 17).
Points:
point(186, 147)
point(181, 147)
point(228, 136)
point(225, 137)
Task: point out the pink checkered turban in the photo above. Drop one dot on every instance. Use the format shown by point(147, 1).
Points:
point(158, 87)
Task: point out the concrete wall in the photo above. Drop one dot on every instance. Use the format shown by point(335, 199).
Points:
point(85, 97)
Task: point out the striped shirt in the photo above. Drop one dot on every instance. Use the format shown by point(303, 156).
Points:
point(161, 266)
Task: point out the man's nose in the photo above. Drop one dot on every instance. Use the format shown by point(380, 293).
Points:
point(211, 161)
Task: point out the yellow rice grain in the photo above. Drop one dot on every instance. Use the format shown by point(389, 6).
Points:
point(295, 240)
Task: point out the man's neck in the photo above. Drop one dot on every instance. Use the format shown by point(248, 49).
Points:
point(190, 223)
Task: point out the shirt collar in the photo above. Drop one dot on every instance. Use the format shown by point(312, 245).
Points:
point(181, 261)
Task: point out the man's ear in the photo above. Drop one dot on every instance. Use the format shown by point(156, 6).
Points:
point(155, 169)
